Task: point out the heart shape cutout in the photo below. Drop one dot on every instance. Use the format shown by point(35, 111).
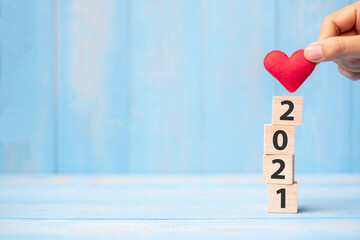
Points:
point(290, 72)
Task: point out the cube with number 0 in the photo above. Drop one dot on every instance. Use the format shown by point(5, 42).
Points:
point(278, 169)
point(283, 198)
point(279, 139)
point(287, 110)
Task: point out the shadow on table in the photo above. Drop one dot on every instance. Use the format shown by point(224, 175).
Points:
point(349, 206)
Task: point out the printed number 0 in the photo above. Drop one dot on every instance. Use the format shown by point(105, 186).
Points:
point(285, 116)
point(275, 140)
point(282, 192)
point(281, 168)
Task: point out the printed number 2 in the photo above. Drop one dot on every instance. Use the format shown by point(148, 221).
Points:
point(285, 116)
point(282, 196)
point(281, 168)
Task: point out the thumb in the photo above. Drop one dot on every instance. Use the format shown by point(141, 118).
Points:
point(333, 48)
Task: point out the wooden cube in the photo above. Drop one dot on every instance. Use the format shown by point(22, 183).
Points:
point(278, 169)
point(282, 198)
point(287, 110)
point(279, 139)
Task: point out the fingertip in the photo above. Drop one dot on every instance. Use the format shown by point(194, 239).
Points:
point(313, 52)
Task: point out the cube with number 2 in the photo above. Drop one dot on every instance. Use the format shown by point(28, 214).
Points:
point(278, 169)
point(287, 110)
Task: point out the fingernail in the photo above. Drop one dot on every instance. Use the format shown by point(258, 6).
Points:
point(313, 52)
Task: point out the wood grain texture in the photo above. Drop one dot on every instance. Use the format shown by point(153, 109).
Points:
point(270, 167)
point(163, 87)
point(27, 111)
point(166, 101)
point(182, 206)
point(354, 128)
point(282, 105)
point(275, 198)
point(331, 229)
point(232, 54)
point(94, 86)
point(170, 197)
point(285, 139)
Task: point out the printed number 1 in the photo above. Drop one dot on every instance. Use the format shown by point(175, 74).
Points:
point(282, 192)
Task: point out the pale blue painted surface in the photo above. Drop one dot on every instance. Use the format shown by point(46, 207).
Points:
point(163, 87)
point(166, 118)
point(27, 86)
point(236, 91)
point(174, 207)
point(355, 127)
point(94, 88)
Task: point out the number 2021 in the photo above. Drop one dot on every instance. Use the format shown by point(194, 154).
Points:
point(276, 175)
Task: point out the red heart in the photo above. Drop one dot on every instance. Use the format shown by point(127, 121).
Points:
point(291, 72)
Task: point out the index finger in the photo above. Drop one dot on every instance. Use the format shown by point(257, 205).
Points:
point(341, 21)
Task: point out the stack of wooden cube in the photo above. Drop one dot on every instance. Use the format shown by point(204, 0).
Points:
point(278, 159)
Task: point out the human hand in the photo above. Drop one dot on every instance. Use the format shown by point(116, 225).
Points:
point(339, 41)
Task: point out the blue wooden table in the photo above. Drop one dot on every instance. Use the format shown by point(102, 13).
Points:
point(173, 207)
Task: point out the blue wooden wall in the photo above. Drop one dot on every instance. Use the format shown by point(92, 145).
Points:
point(159, 86)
